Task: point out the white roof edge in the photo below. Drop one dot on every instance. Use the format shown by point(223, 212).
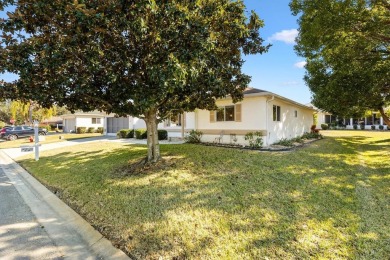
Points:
point(267, 93)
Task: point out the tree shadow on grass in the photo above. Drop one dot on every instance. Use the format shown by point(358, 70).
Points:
point(216, 202)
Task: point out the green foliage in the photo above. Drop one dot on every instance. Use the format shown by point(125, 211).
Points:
point(162, 134)
point(194, 136)
point(355, 126)
point(125, 133)
point(372, 127)
point(362, 126)
point(346, 46)
point(141, 133)
point(255, 139)
point(100, 130)
point(381, 127)
point(140, 58)
point(91, 130)
point(312, 135)
point(81, 130)
point(47, 127)
point(2, 124)
point(285, 142)
point(324, 126)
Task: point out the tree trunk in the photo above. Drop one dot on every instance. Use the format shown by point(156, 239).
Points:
point(385, 117)
point(152, 141)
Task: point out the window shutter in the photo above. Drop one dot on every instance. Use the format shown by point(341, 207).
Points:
point(238, 113)
point(212, 116)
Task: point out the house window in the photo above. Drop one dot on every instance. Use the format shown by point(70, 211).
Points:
point(225, 113)
point(96, 121)
point(295, 113)
point(276, 113)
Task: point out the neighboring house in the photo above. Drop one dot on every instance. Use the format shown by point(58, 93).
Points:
point(54, 122)
point(82, 119)
point(110, 123)
point(375, 119)
point(274, 116)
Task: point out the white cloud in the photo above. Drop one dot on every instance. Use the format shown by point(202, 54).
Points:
point(287, 36)
point(300, 65)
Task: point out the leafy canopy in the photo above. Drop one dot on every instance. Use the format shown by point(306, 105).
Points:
point(127, 57)
point(347, 47)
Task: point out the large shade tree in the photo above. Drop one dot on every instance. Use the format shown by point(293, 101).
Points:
point(347, 45)
point(143, 58)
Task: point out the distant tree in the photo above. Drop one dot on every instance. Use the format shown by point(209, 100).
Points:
point(27, 112)
point(347, 47)
point(143, 58)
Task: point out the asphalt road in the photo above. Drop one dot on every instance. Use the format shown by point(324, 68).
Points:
point(21, 236)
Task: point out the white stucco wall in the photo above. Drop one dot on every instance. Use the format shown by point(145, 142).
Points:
point(289, 126)
point(83, 121)
point(138, 123)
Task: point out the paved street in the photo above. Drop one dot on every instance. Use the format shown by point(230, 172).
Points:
point(21, 236)
point(35, 224)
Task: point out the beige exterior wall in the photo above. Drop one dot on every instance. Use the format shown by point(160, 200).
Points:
point(289, 126)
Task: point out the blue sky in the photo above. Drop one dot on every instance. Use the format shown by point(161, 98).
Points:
point(280, 70)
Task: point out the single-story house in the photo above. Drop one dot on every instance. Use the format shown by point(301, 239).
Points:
point(82, 119)
point(276, 117)
point(111, 124)
point(374, 119)
point(54, 122)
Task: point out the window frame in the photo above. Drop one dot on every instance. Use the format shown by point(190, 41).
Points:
point(98, 120)
point(276, 113)
point(223, 110)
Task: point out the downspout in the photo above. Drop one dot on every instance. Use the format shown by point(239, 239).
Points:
point(267, 118)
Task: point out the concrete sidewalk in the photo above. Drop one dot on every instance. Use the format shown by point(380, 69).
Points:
point(35, 224)
point(14, 153)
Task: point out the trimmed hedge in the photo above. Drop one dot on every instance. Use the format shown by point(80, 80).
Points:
point(162, 134)
point(81, 130)
point(125, 133)
point(100, 130)
point(91, 130)
point(141, 133)
point(324, 126)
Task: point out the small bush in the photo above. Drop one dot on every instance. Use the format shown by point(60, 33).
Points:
point(381, 127)
point(100, 130)
point(162, 134)
point(2, 124)
point(193, 137)
point(141, 133)
point(312, 136)
point(91, 130)
point(298, 139)
point(125, 133)
point(355, 126)
point(324, 127)
point(255, 139)
point(362, 126)
point(47, 127)
point(372, 127)
point(285, 142)
point(81, 130)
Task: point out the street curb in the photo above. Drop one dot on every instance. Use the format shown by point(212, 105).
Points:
point(66, 218)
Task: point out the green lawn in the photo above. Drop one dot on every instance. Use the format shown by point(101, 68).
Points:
point(49, 139)
point(330, 200)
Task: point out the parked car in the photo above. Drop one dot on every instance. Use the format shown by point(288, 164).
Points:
point(15, 132)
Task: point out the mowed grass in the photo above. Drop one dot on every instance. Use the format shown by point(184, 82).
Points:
point(330, 200)
point(48, 139)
